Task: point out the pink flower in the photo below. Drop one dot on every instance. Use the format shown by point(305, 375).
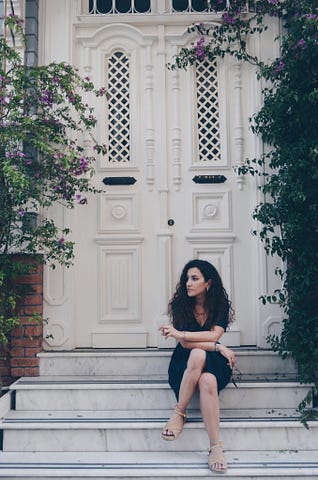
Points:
point(47, 98)
point(301, 44)
point(61, 242)
point(102, 91)
point(280, 65)
point(83, 164)
point(227, 18)
point(199, 48)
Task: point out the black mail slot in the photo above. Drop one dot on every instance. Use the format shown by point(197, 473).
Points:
point(209, 179)
point(119, 180)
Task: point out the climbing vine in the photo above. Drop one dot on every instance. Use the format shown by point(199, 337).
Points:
point(44, 118)
point(288, 124)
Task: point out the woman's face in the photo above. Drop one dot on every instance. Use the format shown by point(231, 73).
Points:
point(196, 284)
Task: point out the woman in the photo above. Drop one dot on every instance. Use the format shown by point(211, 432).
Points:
point(200, 311)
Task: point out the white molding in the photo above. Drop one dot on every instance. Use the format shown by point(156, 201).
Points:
point(214, 238)
point(176, 127)
point(238, 122)
point(119, 240)
point(131, 337)
point(149, 136)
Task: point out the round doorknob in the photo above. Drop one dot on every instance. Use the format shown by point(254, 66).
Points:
point(170, 222)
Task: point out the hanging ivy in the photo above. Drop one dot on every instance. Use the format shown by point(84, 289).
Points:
point(44, 116)
point(288, 125)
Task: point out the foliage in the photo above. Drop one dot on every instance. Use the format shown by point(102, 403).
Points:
point(44, 117)
point(287, 123)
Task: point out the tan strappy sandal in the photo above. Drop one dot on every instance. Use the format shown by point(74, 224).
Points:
point(175, 425)
point(216, 457)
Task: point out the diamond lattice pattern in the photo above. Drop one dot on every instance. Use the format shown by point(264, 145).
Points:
point(118, 108)
point(208, 111)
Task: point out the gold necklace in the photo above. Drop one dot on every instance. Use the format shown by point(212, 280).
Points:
point(200, 317)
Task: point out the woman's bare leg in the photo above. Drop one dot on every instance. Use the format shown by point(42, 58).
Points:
point(195, 365)
point(209, 404)
point(210, 411)
point(191, 376)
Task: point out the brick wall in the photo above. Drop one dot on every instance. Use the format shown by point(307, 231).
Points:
point(19, 358)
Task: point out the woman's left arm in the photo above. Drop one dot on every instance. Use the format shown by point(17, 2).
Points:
point(212, 335)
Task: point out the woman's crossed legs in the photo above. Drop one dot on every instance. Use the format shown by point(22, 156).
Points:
point(193, 377)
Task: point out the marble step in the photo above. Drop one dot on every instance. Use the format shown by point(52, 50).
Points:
point(67, 393)
point(151, 363)
point(256, 465)
point(52, 431)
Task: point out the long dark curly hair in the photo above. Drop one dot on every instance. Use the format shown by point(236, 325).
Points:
point(217, 303)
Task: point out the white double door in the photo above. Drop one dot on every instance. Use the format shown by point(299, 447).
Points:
point(173, 199)
point(173, 139)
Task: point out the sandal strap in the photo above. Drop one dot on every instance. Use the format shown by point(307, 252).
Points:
point(217, 445)
point(183, 415)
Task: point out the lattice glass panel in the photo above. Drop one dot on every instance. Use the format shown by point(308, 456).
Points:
point(208, 121)
point(118, 108)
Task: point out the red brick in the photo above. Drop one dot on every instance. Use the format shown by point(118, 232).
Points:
point(27, 321)
point(31, 352)
point(34, 331)
point(32, 310)
point(24, 362)
point(33, 300)
point(17, 352)
point(26, 342)
point(32, 371)
point(26, 339)
point(17, 372)
point(17, 332)
point(30, 279)
point(38, 289)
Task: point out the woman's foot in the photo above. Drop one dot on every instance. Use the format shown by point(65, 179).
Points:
point(217, 462)
point(174, 426)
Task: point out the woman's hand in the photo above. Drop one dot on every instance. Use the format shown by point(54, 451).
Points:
point(169, 331)
point(229, 354)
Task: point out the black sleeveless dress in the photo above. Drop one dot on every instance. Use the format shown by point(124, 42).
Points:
point(215, 362)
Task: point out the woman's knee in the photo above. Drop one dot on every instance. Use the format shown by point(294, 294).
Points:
point(208, 383)
point(197, 359)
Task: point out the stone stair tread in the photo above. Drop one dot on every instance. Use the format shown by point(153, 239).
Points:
point(76, 393)
point(152, 363)
point(159, 465)
point(74, 382)
point(228, 415)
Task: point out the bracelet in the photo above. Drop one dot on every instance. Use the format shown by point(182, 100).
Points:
point(217, 346)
